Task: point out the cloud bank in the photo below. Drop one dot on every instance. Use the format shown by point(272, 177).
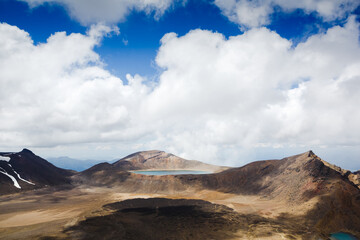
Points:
point(249, 13)
point(58, 92)
point(215, 98)
point(107, 11)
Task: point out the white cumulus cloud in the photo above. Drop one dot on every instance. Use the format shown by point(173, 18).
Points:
point(219, 95)
point(256, 13)
point(109, 11)
point(216, 100)
point(58, 92)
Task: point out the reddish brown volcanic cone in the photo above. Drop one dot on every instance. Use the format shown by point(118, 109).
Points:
point(297, 180)
point(161, 160)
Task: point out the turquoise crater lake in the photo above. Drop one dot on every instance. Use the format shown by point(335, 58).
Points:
point(342, 236)
point(169, 172)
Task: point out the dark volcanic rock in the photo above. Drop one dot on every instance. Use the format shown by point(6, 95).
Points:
point(102, 174)
point(36, 171)
point(162, 218)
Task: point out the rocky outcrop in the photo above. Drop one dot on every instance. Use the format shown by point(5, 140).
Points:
point(355, 178)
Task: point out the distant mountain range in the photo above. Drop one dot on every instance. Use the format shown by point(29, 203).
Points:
point(25, 170)
point(72, 163)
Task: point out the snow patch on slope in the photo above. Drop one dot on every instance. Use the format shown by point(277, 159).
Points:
point(16, 184)
point(18, 175)
point(4, 158)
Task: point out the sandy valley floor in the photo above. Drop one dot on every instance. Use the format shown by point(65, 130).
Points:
point(46, 212)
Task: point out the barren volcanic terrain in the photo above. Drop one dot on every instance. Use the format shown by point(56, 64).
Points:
point(298, 197)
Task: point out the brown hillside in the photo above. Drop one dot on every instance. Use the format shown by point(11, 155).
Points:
point(161, 160)
point(297, 179)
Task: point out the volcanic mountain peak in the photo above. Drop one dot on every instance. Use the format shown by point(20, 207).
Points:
point(311, 153)
point(155, 159)
point(294, 179)
point(144, 154)
point(26, 151)
point(24, 171)
point(23, 153)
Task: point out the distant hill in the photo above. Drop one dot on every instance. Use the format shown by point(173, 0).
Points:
point(72, 163)
point(156, 159)
point(24, 171)
point(111, 174)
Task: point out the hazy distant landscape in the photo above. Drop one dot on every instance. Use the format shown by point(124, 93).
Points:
point(73, 164)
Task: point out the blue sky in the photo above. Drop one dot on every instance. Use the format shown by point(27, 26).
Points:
point(140, 30)
point(230, 66)
point(142, 33)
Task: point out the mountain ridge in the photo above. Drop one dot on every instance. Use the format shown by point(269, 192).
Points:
point(299, 180)
point(153, 159)
point(26, 171)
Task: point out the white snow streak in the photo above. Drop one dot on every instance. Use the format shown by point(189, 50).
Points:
point(3, 158)
point(18, 175)
point(16, 184)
